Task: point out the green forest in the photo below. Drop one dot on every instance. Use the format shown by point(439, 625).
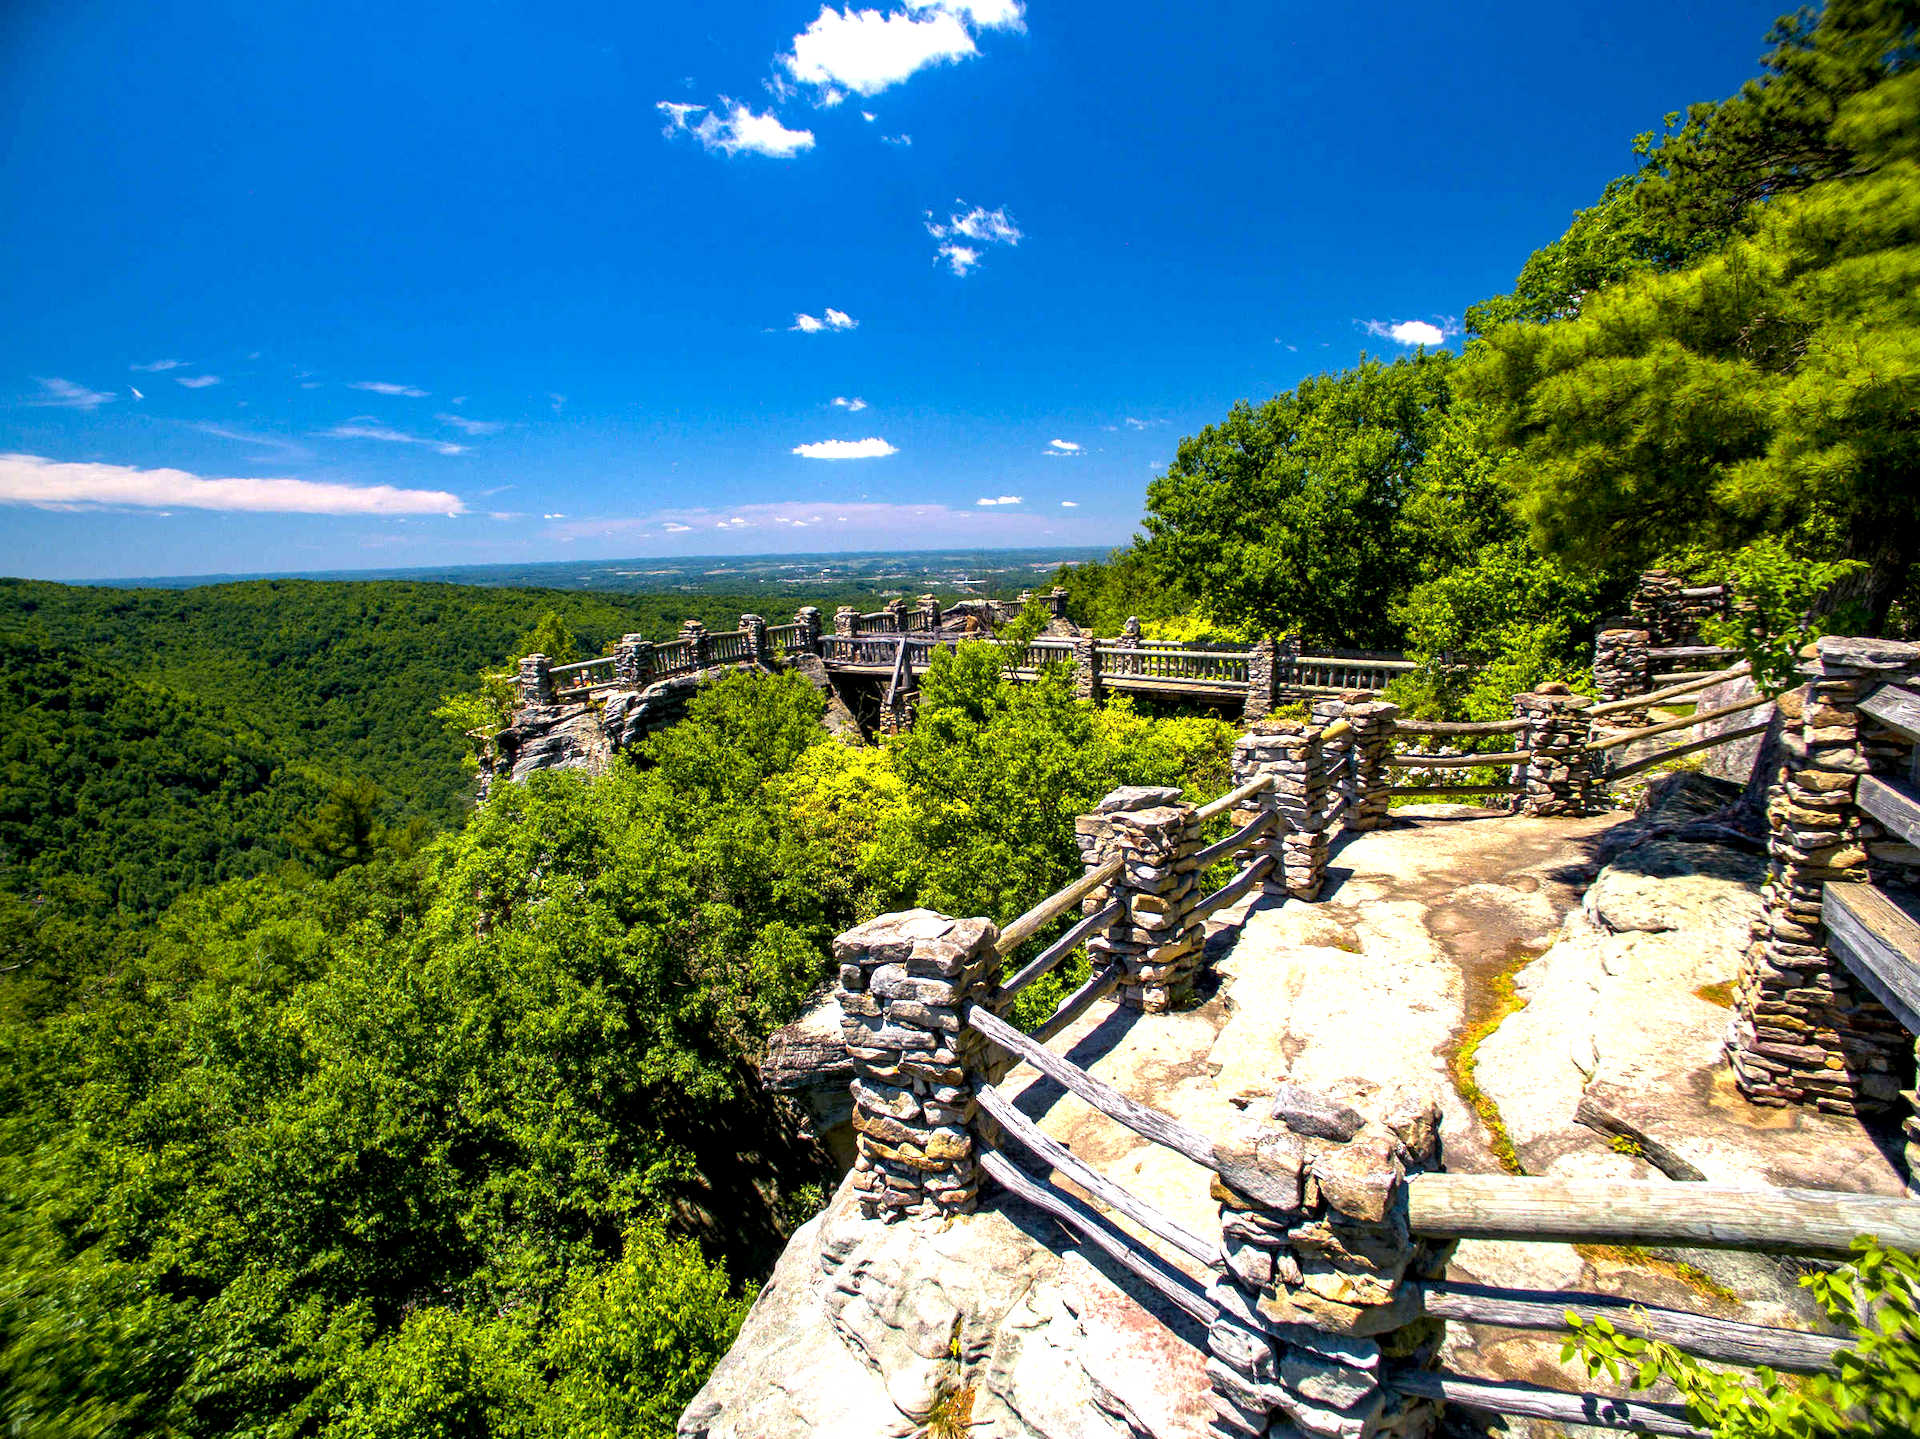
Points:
point(334, 1104)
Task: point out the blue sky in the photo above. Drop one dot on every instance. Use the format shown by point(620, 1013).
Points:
point(297, 287)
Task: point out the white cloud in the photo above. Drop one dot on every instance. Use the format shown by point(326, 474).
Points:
point(1133, 424)
point(1062, 447)
point(865, 51)
point(871, 448)
point(735, 522)
point(247, 438)
point(555, 516)
point(853, 406)
point(1069, 504)
point(135, 393)
point(51, 484)
point(387, 387)
point(739, 130)
point(868, 116)
point(196, 382)
point(158, 366)
point(832, 320)
point(471, 427)
point(65, 395)
point(903, 139)
point(979, 227)
point(671, 528)
point(1411, 332)
point(986, 14)
point(961, 258)
point(998, 500)
point(395, 437)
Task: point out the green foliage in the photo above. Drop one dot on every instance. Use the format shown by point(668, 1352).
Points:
point(1769, 385)
point(1778, 615)
point(1103, 595)
point(551, 636)
point(1286, 517)
point(1875, 1297)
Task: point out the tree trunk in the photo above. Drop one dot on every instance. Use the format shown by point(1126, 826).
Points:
point(1888, 544)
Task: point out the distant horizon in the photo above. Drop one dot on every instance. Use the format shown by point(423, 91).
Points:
point(662, 564)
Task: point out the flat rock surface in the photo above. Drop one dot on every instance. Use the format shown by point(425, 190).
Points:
point(1452, 924)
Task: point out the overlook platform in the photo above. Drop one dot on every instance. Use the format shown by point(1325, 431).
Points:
point(1558, 981)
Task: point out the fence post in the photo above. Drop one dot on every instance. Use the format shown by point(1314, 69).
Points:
point(904, 981)
point(807, 618)
point(1057, 602)
point(1086, 669)
point(1362, 755)
point(844, 620)
point(1294, 757)
point(1621, 666)
point(699, 647)
point(633, 660)
point(1322, 1280)
point(1261, 673)
point(756, 632)
point(1558, 773)
point(1804, 1030)
point(930, 616)
point(1156, 831)
point(534, 684)
point(895, 610)
point(1130, 638)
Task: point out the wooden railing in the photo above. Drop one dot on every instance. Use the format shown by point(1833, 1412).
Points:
point(673, 657)
point(784, 639)
point(1177, 665)
point(1330, 674)
point(1043, 652)
point(1424, 761)
point(583, 677)
point(1683, 662)
point(728, 647)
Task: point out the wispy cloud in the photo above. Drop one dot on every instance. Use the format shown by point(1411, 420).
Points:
point(471, 427)
point(965, 234)
point(135, 393)
point(196, 382)
point(738, 131)
point(247, 437)
point(1069, 504)
point(1062, 447)
point(795, 525)
point(676, 529)
point(852, 406)
point(392, 437)
point(998, 500)
point(902, 139)
point(832, 320)
point(51, 484)
point(65, 395)
point(156, 367)
point(1131, 423)
point(556, 515)
point(1412, 332)
point(871, 448)
point(387, 387)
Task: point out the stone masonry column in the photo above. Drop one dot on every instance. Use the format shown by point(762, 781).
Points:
point(904, 981)
point(755, 629)
point(929, 611)
point(1558, 774)
point(1056, 602)
point(895, 610)
point(1621, 666)
point(1086, 670)
point(1320, 1298)
point(633, 661)
point(1158, 836)
point(699, 648)
point(1292, 755)
point(1363, 753)
point(1657, 604)
point(1804, 1031)
point(533, 686)
point(807, 618)
point(1261, 674)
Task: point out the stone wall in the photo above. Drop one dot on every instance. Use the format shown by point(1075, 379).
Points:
point(1159, 946)
point(1804, 1030)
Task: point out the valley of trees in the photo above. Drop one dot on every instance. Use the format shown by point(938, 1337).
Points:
point(334, 1105)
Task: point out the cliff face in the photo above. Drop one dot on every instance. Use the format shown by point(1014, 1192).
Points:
point(865, 1327)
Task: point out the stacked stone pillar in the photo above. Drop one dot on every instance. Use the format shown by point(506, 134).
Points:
point(929, 612)
point(844, 620)
point(1262, 680)
point(895, 610)
point(1293, 755)
point(1805, 1032)
point(1086, 670)
point(1359, 758)
point(633, 661)
point(1558, 773)
point(1159, 945)
point(1131, 638)
point(755, 629)
point(1622, 667)
point(699, 647)
point(905, 980)
point(533, 686)
point(1056, 602)
point(1319, 1298)
point(807, 621)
